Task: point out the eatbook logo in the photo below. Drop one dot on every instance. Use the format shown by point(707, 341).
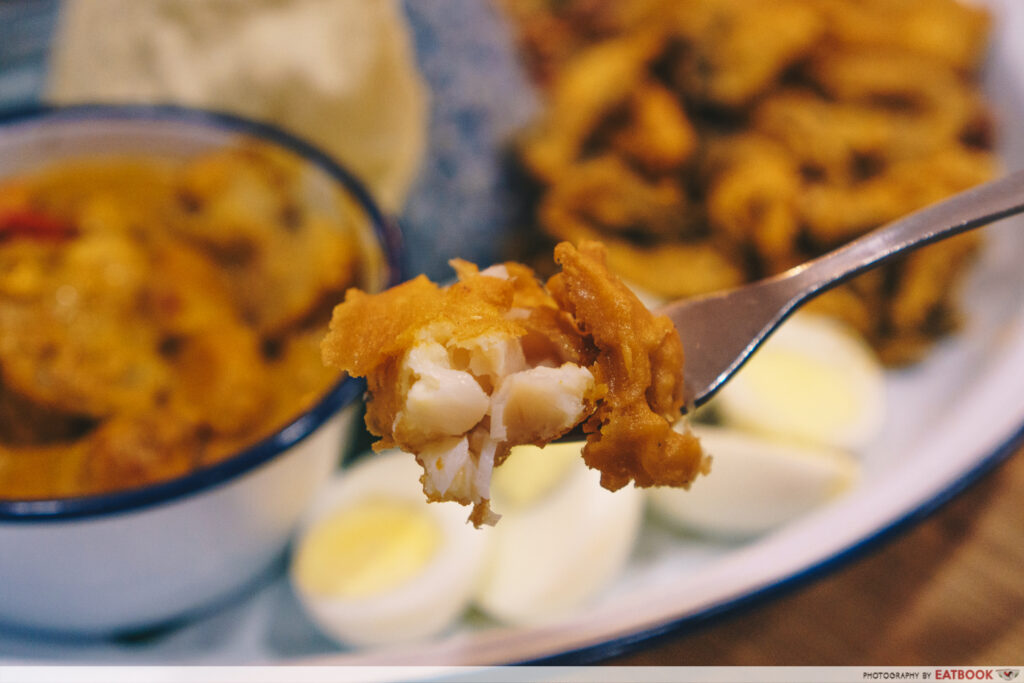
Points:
point(1007, 674)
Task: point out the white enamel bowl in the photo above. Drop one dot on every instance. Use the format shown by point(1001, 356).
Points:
point(113, 563)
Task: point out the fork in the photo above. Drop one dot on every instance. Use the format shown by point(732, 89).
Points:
point(720, 331)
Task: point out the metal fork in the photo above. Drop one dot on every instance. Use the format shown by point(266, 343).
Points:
point(720, 331)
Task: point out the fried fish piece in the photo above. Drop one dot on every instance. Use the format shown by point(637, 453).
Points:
point(458, 375)
point(640, 360)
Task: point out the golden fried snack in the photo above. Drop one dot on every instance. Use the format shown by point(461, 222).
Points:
point(948, 32)
point(459, 375)
point(928, 106)
point(736, 49)
point(640, 360)
point(837, 142)
point(754, 136)
point(556, 37)
point(607, 192)
point(673, 269)
point(656, 134)
point(834, 213)
point(594, 84)
point(755, 185)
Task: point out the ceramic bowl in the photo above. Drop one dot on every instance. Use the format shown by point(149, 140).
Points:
point(134, 559)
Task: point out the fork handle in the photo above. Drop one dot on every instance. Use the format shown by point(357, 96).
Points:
point(971, 209)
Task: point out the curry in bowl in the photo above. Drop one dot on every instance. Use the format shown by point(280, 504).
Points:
point(157, 317)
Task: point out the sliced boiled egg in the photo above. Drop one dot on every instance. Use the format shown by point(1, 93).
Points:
point(756, 484)
point(814, 380)
point(561, 539)
point(375, 563)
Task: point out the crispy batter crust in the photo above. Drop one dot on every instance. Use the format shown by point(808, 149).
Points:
point(584, 316)
point(640, 359)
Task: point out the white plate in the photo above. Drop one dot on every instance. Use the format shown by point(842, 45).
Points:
point(952, 418)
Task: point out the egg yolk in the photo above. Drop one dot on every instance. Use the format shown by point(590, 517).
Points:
point(367, 549)
point(530, 473)
point(814, 390)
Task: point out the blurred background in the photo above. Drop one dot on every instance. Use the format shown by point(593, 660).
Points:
point(708, 143)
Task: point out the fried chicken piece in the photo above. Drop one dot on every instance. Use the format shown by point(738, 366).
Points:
point(449, 379)
point(459, 375)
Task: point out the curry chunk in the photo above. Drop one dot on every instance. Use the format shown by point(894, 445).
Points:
point(156, 317)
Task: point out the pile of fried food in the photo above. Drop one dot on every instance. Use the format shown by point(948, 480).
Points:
point(461, 374)
point(712, 142)
point(152, 317)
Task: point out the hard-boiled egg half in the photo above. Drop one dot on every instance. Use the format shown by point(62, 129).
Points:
point(756, 483)
point(814, 380)
point(375, 563)
point(561, 538)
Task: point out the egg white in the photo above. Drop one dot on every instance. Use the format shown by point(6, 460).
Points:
point(425, 604)
point(756, 484)
point(559, 546)
point(814, 380)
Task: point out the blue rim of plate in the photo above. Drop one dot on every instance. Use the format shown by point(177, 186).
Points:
point(626, 644)
point(346, 391)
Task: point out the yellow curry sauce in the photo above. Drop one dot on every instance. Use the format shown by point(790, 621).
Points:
point(155, 318)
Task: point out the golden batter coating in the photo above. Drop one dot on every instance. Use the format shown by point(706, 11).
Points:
point(640, 360)
point(741, 138)
point(458, 375)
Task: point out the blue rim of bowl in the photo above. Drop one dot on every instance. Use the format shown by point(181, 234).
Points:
point(635, 641)
point(346, 391)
